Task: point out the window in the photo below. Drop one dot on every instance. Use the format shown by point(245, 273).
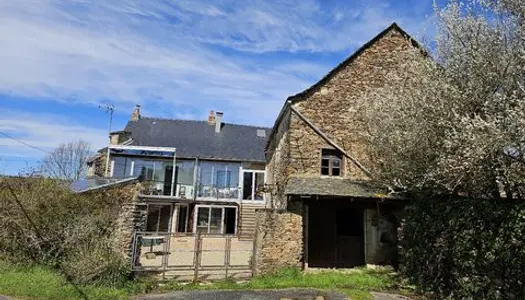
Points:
point(253, 185)
point(216, 220)
point(158, 219)
point(182, 218)
point(331, 162)
point(122, 167)
point(219, 180)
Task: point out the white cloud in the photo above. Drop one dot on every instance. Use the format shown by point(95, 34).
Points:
point(178, 58)
point(45, 131)
point(132, 51)
point(42, 131)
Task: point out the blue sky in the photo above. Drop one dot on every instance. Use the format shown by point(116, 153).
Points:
point(61, 59)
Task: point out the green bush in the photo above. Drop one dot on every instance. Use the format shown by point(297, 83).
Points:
point(465, 249)
point(66, 230)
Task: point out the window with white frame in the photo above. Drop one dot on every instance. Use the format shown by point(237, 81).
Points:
point(215, 219)
point(253, 185)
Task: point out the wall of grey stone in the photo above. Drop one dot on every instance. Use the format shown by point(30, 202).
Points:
point(278, 239)
point(131, 218)
point(130, 212)
point(335, 107)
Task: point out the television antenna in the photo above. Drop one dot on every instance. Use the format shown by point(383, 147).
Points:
point(108, 108)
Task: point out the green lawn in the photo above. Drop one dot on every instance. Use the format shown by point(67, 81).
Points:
point(356, 283)
point(44, 283)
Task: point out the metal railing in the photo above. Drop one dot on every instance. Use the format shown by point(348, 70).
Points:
point(193, 256)
point(218, 192)
point(160, 188)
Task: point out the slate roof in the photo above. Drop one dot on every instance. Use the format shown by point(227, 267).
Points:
point(198, 138)
point(337, 187)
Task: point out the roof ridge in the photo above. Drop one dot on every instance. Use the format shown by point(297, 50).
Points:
point(202, 121)
point(352, 56)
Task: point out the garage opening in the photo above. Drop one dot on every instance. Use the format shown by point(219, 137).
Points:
point(335, 235)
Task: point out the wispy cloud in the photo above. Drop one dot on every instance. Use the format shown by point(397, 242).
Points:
point(163, 51)
point(42, 131)
point(178, 58)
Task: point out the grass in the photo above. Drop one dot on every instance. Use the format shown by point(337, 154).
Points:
point(44, 283)
point(356, 283)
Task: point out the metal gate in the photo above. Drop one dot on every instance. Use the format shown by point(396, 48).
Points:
point(193, 257)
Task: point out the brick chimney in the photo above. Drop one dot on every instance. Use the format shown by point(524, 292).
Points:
point(211, 118)
point(135, 115)
point(218, 121)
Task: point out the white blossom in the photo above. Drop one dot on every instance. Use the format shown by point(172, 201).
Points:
point(447, 122)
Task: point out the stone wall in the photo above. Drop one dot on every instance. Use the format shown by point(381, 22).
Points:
point(279, 239)
point(277, 169)
point(132, 218)
point(97, 166)
point(334, 107)
point(130, 212)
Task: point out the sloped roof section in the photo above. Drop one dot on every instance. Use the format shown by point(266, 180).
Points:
point(92, 184)
point(336, 187)
point(199, 139)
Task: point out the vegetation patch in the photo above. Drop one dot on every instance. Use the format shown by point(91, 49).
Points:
point(466, 249)
point(40, 282)
point(356, 283)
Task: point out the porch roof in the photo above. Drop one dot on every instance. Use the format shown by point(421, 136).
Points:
point(96, 183)
point(337, 187)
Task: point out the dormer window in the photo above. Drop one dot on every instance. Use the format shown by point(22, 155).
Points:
point(331, 162)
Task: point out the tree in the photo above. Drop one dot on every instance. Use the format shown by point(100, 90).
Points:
point(67, 161)
point(455, 122)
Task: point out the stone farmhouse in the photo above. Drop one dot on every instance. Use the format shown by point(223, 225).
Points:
point(333, 214)
point(298, 194)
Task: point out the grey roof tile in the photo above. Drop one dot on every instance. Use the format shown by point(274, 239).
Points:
point(198, 138)
point(330, 186)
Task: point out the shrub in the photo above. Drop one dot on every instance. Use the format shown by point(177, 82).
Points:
point(72, 231)
point(465, 249)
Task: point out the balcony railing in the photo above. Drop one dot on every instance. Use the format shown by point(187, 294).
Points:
point(186, 191)
point(215, 192)
point(161, 188)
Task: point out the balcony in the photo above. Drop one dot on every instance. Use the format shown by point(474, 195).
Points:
point(213, 192)
point(163, 188)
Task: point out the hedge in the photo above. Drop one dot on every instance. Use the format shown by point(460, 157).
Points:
point(458, 248)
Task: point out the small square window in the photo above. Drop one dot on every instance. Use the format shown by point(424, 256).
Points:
point(331, 162)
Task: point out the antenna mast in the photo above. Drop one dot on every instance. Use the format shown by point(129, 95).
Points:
point(108, 108)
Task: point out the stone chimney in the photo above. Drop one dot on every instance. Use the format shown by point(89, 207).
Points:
point(119, 137)
point(135, 115)
point(218, 121)
point(211, 118)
